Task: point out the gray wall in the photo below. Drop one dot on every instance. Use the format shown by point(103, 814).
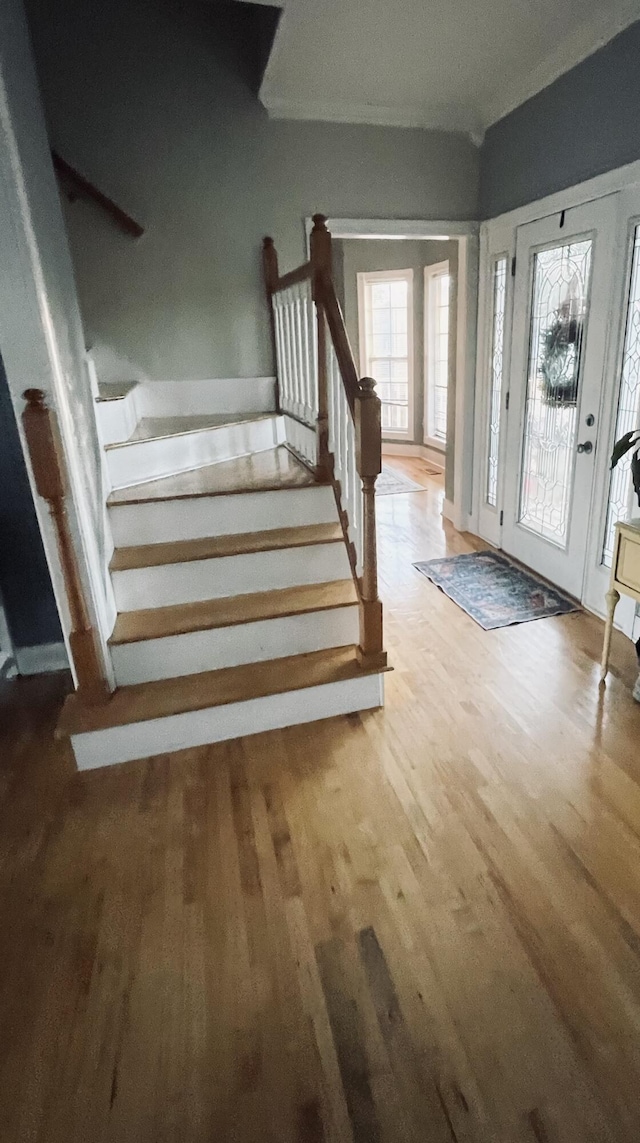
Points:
point(361, 256)
point(585, 123)
point(141, 98)
point(25, 582)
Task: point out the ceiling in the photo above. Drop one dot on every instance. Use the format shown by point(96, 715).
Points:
point(452, 64)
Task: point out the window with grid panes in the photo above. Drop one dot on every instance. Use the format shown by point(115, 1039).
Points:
point(386, 305)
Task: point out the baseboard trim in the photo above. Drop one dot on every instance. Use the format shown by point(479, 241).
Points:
point(8, 669)
point(390, 448)
point(41, 659)
point(448, 510)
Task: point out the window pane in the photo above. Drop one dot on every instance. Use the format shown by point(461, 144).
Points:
point(381, 321)
point(558, 308)
point(379, 294)
point(438, 353)
point(628, 417)
point(497, 351)
point(399, 321)
point(381, 345)
point(387, 347)
point(398, 293)
point(400, 371)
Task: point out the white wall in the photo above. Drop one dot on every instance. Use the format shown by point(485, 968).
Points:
point(41, 338)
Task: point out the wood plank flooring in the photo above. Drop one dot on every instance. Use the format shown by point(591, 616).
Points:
point(419, 925)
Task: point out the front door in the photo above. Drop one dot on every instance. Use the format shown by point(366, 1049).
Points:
point(562, 288)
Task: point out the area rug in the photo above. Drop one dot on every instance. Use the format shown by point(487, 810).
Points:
point(391, 481)
point(494, 591)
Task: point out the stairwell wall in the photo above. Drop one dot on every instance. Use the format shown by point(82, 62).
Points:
point(146, 101)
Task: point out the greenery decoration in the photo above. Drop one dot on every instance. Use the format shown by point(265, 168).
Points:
point(560, 359)
point(621, 448)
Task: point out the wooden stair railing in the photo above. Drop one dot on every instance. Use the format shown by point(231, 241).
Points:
point(50, 475)
point(318, 384)
point(80, 187)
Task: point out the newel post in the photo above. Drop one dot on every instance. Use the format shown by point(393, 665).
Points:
point(369, 464)
point(47, 461)
point(271, 275)
point(320, 243)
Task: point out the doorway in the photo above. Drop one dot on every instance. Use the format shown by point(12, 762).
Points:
point(564, 267)
point(559, 363)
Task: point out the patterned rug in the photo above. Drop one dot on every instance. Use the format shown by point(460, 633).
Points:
point(495, 592)
point(391, 481)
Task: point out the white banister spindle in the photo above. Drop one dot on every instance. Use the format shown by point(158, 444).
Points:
point(294, 325)
point(342, 443)
point(334, 420)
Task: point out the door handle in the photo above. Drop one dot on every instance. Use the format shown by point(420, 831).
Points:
point(586, 447)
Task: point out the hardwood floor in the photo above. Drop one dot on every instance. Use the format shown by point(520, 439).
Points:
point(418, 925)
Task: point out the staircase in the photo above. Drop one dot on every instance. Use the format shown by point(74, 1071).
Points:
point(238, 569)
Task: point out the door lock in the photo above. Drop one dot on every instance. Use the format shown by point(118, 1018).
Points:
point(586, 447)
point(590, 420)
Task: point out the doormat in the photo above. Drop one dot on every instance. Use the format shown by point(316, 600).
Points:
point(495, 592)
point(391, 481)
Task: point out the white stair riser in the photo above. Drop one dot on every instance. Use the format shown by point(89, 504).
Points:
point(230, 575)
point(217, 724)
point(236, 395)
point(117, 419)
point(151, 659)
point(161, 521)
point(138, 461)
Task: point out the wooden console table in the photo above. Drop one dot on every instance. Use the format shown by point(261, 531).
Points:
point(625, 578)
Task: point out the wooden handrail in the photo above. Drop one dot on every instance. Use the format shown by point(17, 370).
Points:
point(50, 475)
point(341, 343)
point(84, 189)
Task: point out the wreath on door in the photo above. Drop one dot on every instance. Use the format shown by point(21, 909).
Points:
point(560, 359)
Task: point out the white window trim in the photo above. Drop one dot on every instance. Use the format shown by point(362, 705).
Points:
point(431, 272)
point(364, 278)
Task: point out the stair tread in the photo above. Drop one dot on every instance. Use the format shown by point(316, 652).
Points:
point(114, 390)
point(183, 618)
point(159, 428)
point(145, 701)
point(270, 470)
point(209, 547)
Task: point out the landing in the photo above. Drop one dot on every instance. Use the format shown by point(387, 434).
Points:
point(274, 468)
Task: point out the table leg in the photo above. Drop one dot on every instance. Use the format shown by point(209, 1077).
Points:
point(612, 598)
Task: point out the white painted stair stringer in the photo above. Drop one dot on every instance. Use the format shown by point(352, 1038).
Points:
point(117, 417)
point(192, 518)
point(236, 395)
point(220, 576)
point(137, 461)
point(149, 660)
point(234, 720)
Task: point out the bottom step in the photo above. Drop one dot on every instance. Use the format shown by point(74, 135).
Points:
point(161, 717)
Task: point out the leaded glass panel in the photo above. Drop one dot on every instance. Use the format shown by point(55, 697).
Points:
point(558, 311)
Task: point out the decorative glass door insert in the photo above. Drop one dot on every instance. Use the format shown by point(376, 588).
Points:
point(562, 291)
point(559, 301)
point(497, 363)
point(628, 414)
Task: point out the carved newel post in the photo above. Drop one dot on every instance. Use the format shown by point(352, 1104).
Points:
point(369, 465)
point(47, 461)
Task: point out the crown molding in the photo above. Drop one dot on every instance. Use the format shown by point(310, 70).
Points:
point(582, 42)
point(450, 119)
